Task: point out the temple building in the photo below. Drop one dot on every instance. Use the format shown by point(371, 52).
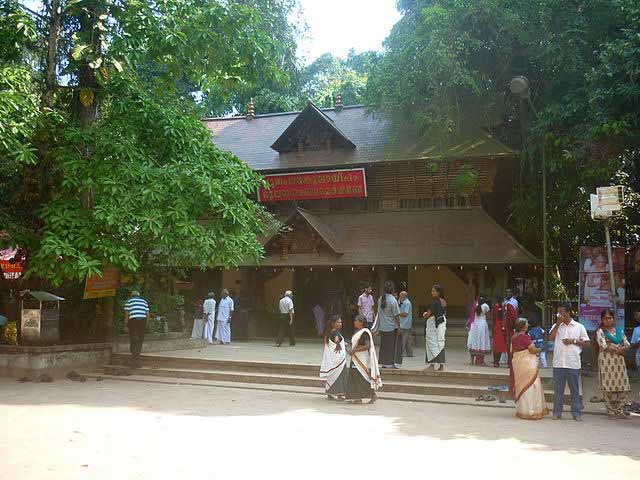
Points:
point(362, 200)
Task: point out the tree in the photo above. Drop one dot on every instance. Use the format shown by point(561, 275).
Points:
point(328, 76)
point(457, 58)
point(109, 162)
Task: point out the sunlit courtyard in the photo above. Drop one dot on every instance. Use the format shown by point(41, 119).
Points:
point(128, 430)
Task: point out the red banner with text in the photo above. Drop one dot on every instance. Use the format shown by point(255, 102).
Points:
point(314, 185)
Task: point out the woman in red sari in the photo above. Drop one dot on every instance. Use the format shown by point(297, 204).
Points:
point(525, 382)
point(499, 343)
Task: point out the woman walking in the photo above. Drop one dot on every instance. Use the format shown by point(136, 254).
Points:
point(479, 340)
point(334, 360)
point(614, 380)
point(435, 328)
point(525, 381)
point(364, 375)
point(499, 343)
point(389, 328)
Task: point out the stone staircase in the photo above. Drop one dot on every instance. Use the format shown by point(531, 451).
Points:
point(414, 382)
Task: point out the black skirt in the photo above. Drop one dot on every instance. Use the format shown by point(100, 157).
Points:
point(358, 387)
point(390, 348)
point(339, 387)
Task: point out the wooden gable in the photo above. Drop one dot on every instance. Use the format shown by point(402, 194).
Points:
point(311, 130)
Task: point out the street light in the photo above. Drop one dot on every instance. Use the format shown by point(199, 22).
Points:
point(520, 88)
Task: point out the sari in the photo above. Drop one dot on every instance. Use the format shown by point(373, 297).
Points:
point(435, 329)
point(332, 369)
point(526, 384)
point(364, 374)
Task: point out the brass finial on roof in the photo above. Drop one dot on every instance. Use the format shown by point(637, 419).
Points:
point(338, 103)
point(251, 110)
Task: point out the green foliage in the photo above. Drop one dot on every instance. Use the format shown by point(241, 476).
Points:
point(457, 58)
point(320, 82)
point(121, 171)
point(328, 76)
point(466, 179)
point(17, 32)
point(160, 192)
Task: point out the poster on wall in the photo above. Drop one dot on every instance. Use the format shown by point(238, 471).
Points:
point(595, 286)
point(101, 286)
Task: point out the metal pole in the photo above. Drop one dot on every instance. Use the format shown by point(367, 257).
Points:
point(545, 264)
point(612, 281)
point(544, 237)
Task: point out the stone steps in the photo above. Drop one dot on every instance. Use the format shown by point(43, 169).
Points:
point(392, 383)
point(491, 377)
point(402, 381)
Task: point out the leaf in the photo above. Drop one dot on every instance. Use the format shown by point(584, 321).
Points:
point(117, 65)
point(97, 63)
point(78, 50)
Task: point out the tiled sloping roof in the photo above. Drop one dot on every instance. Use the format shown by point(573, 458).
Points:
point(372, 133)
point(433, 237)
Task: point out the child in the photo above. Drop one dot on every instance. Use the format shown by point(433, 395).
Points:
point(635, 338)
point(537, 335)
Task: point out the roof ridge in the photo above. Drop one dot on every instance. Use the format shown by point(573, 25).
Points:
point(280, 114)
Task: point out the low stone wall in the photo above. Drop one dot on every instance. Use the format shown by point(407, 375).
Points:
point(55, 360)
point(160, 343)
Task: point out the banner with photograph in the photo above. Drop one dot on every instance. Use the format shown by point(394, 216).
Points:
point(595, 286)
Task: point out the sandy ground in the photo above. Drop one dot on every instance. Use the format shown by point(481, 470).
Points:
point(130, 430)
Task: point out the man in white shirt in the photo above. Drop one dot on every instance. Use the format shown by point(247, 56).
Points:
point(569, 338)
point(208, 310)
point(225, 312)
point(285, 322)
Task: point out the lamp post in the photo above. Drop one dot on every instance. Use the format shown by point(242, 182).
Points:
point(520, 87)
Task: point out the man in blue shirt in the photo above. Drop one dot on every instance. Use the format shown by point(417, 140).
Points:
point(406, 321)
point(136, 318)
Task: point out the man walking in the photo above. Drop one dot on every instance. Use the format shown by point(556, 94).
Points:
point(285, 322)
point(365, 306)
point(136, 318)
point(569, 338)
point(406, 322)
point(208, 311)
point(225, 312)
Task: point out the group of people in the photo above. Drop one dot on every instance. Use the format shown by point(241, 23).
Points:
point(393, 321)
point(350, 370)
point(505, 314)
point(216, 322)
point(570, 337)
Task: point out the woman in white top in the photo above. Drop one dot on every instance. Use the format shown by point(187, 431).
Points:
point(479, 341)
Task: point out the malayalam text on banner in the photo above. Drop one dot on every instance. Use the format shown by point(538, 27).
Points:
point(314, 185)
point(99, 287)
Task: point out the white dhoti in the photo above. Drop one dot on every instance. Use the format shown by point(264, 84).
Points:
point(208, 329)
point(223, 332)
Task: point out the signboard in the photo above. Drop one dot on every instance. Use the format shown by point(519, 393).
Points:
point(314, 185)
point(30, 324)
point(11, 269)
point(595, 287)
point(99, 287)
point(610, 198)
